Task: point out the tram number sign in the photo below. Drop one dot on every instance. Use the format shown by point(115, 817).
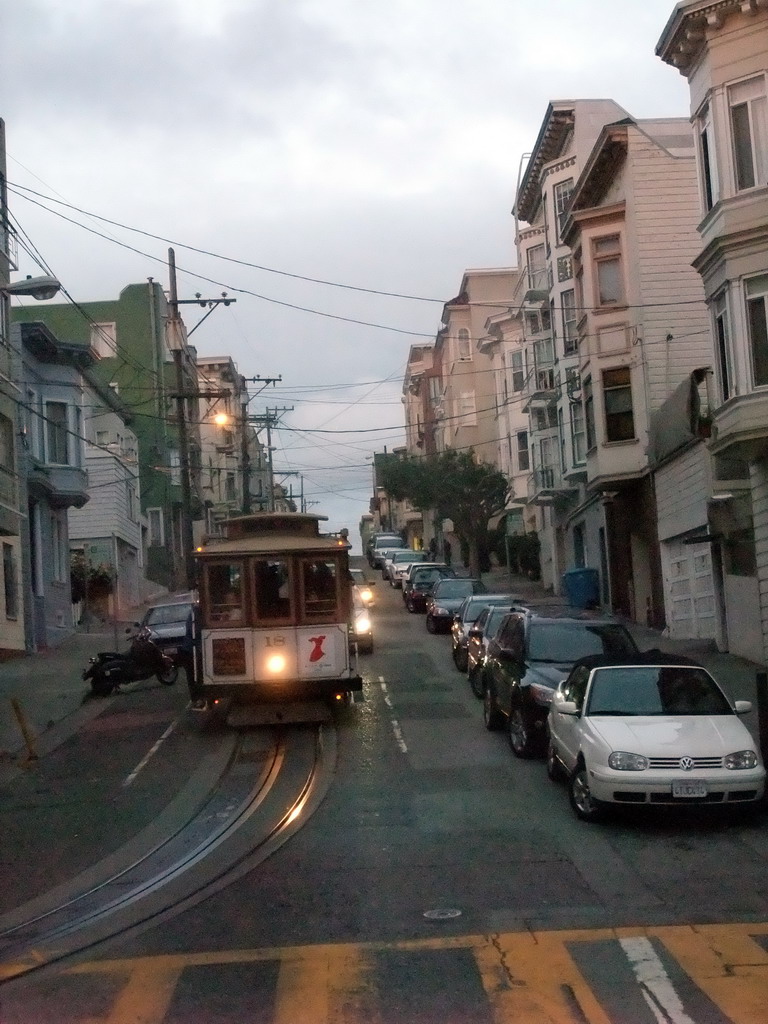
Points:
point(274, 641)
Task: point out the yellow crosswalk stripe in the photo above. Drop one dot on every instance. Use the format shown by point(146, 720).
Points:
point(526, 976)
point(726, 963)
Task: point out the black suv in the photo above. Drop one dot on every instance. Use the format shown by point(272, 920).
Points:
point(418, 584)
point(469, 610)
point(531, 653)
point(446, 599)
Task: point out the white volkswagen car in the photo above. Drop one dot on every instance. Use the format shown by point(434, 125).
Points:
point(653, 729)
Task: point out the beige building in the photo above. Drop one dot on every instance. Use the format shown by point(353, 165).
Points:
point(231, 456)
point(722, 49)
point(642, 329)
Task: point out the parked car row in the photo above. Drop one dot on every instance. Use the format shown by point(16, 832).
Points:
point(621, 726)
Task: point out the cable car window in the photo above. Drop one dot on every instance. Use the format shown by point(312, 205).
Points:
point(319, 588)
point(225, 593)
point(272, 587)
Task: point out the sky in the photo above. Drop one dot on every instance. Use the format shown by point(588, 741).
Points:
point(302, 155)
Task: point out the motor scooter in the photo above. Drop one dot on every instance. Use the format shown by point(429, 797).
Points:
point(143, 659)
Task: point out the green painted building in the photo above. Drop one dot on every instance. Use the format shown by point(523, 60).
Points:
point(129, 338)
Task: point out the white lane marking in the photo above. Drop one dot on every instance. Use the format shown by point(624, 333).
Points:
point(395, 724)
point(656, 985)
point(152, 750)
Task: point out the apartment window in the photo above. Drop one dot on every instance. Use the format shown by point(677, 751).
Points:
point(564, 268)
point(104, 339)
point(589, 413)
point(749, 131)
point(570, 320)
point(606, 253)
point(544, 418)
point(464, 347)
point(757, 318)
point(10, 582)
point(561, 435)
point(229, 487)
point(156, 527)
point(578, 433)
point(617, 397)
point(707, 164)
point(562, 196)
point(523, 452)
point(723, 346)
point(174, 459)
point(517, 363)
point(536, 262)
point(102, 438)
point(130, 500)
point(56, 432)
point(467, 410)
point(435, 390)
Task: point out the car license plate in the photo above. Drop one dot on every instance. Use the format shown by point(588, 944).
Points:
point(689, 788)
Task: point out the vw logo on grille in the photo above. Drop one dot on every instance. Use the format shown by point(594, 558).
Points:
point(686, 763)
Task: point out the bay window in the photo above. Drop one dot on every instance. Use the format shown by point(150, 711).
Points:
point(749, 132)
point(723, 346)
point(757, 321)
point(606, 254)
point(617, 397)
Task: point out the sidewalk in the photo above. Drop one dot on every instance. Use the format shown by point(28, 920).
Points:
point(50, 691)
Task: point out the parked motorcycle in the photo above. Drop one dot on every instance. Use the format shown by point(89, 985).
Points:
point(142, 660)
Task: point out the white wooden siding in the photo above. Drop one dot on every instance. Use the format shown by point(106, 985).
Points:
point(682, 493)
point(665, 213)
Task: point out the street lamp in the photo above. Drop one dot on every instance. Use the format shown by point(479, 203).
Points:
point(36, 287)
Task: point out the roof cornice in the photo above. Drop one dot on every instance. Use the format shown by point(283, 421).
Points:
point(685, 35)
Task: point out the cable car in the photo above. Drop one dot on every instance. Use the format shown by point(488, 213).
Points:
point(275, 614)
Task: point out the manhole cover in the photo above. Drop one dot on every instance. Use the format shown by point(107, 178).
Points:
point(442, 914)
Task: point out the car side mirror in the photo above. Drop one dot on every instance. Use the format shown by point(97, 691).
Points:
point(565, 707)
point(742, 707)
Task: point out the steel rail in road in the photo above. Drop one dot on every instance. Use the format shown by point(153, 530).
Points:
point(241, 823)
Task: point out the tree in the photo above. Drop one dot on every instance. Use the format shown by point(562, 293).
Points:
point(457, 486)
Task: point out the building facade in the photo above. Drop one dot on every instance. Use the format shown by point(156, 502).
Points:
point(722, 50)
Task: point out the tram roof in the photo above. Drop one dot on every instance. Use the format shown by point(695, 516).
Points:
point(271, 544)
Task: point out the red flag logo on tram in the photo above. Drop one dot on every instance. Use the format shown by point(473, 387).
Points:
point(317, 650)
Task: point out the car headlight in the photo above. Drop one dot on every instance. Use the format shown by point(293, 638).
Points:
point(437, 610)
point(362, 625)
point(740, 760)
point(621, 761)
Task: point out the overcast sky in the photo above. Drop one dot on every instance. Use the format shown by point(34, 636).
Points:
point(367, 144)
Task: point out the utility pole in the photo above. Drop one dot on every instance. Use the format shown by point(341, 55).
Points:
point(268, 420)
point(187, 541)
point(177, 340)
point(245, 451)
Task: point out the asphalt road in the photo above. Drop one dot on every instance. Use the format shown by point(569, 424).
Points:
point(442, 880)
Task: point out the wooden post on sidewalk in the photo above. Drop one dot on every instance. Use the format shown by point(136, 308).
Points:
point(26, 732)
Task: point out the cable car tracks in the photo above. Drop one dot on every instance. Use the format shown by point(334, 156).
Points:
point(270, 785)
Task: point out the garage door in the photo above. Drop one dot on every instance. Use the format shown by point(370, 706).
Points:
point(689, 590)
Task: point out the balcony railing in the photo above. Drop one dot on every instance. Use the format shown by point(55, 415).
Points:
point(545, 484)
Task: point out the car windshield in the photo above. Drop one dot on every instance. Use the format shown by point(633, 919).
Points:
point(566, 642)
point(358, 576)
point(428, 575)
point(475, 606)
point(656, 690)
point(405, 556)
point(455, 588)
point(166, 613)
point(494, 619)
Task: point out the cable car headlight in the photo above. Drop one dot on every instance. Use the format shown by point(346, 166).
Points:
point(276, 663)
point(362, 624)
